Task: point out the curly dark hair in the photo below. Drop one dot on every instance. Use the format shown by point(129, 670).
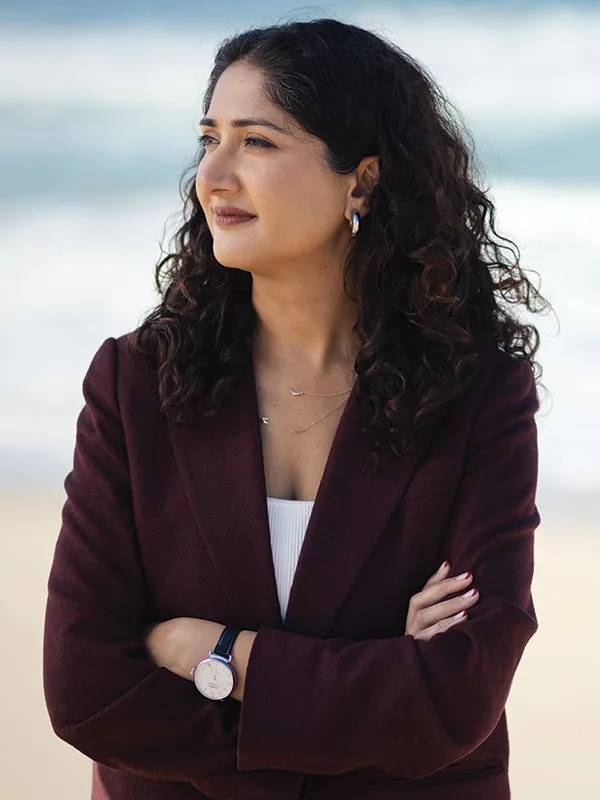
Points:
point(428, 270)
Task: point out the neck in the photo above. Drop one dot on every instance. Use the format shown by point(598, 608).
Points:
point(304, 330)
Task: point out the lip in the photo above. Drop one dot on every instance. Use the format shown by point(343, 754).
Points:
point(231, 211)
point(227, 216)
point(232, 219)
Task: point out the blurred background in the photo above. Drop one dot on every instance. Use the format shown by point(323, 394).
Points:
point(99, 105)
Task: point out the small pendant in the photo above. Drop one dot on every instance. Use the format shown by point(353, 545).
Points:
point(264, 420)
point(296, 394)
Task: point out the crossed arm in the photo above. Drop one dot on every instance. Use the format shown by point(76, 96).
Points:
point(180, 643)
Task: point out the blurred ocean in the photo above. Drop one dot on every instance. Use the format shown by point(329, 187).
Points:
point(98, 112)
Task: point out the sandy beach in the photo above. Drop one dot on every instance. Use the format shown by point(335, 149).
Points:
point(553, 709)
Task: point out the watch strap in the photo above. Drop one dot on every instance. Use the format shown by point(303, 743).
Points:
point(227, 638)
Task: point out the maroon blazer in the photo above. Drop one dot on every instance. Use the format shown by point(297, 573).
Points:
point(164, 521)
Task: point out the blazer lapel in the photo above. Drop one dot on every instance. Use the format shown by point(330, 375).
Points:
point(351, 510)
point(221, 466)
point(220, 462)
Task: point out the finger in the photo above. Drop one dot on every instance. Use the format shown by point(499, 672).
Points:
point(439, 627)
point(437, 591)
point(445, 609)
point(440, 574)
point(448, 586)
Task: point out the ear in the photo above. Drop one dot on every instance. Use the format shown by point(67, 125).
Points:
point(365, 179)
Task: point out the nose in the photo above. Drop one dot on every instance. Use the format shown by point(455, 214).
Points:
point(216, 174)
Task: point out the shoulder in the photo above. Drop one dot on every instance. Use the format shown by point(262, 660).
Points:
point(506, 392)
point(115, 355)
point(501, 382)
point(507, 374)
point(503, 371)
point(117, 371)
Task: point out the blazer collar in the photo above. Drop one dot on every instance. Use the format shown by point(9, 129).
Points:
point(221, 466)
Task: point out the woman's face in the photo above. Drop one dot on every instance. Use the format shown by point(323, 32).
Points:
point(301, 208)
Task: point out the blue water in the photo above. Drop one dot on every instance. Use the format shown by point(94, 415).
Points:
point(96, 129)
point(67, 12)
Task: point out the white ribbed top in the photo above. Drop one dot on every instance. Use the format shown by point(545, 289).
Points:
point(288, 520)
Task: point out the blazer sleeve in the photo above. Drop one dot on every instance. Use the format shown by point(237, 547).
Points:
point(104, 694)
point(401, 705)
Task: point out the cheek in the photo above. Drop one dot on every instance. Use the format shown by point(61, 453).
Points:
point(278, 188)
point(297, 203)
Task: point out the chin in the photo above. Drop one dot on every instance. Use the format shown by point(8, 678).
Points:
point(238, 258)
point(233, 262)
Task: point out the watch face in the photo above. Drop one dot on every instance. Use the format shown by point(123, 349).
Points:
point(214, 678)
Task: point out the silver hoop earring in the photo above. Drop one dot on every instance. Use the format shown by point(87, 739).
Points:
point(355, 224)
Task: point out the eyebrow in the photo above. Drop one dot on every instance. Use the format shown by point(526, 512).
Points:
point(247, 122)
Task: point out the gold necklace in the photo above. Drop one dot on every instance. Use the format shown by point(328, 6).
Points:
point(294, 393)
point(267, 421)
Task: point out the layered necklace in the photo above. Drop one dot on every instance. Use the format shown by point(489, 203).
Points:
point(295, 393)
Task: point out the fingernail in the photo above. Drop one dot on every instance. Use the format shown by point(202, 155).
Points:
point(471, 593)
point(444, 565)
point(460, 615)
point(463, 576)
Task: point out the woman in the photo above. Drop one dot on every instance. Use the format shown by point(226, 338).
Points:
point(329, 401)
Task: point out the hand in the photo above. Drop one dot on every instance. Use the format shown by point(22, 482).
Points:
point(181, 643)
point(428, 615)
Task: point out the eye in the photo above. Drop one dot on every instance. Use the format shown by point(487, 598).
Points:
point(204, 140)
point(254, 141)
point(251, 141)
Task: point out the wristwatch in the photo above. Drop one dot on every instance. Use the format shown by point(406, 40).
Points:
point(214, 677)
